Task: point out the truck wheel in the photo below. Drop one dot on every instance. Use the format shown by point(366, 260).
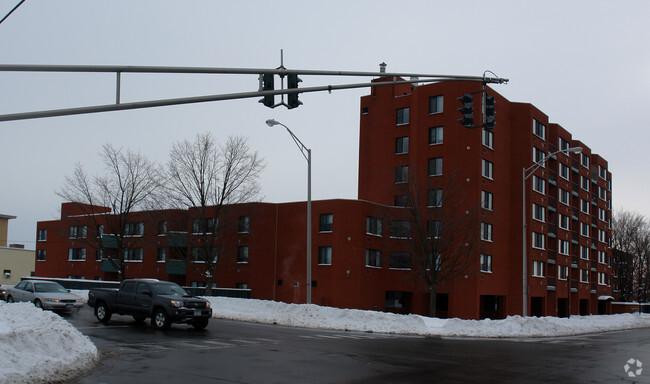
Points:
point(200, 324)
point(160, 319)
point(10, 299)
point(102, 313)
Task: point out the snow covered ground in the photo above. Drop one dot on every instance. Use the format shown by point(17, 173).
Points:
point(39, 346)
point(313, 316)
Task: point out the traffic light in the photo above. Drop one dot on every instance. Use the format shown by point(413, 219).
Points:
point(467, 110)
point(266, 84)
point(292, 83)
point(489, 112)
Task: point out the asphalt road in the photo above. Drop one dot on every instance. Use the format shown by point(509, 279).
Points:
point(236, 352)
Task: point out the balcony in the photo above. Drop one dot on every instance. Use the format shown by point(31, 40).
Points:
point(550, 283)
point(175, 267)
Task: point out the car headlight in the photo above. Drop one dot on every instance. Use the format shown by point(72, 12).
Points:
point(51, 300)
point(207, 304)
point(177, 304)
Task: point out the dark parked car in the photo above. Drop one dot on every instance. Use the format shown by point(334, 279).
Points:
point(44, 294)
point(162, 301)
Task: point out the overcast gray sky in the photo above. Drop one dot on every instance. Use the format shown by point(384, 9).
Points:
point(586, 64)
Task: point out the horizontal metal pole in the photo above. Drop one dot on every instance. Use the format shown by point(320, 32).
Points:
point(192, 100)
point(217, 70)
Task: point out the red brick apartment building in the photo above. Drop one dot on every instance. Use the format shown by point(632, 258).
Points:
point(409, 135)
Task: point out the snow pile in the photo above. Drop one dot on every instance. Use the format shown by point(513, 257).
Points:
point(313, 316)
point(39, 346)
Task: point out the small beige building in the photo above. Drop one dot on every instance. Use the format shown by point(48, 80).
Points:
point(15, 261)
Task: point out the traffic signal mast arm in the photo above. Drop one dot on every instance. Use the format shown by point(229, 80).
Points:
point(265, 92)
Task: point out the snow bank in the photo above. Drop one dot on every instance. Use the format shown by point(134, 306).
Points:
point(39, 346)
point(313, 316)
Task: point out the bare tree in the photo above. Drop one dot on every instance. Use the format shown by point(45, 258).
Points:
point(130, 183)
point(443, 232)
point(205, 179)
point(631, 242)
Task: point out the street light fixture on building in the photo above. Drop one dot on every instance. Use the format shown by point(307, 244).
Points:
point(527, 172)
point(306, 152)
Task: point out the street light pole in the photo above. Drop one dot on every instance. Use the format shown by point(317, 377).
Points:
point(526, 173)
point(306, 152)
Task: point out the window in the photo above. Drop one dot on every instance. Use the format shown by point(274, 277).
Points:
point(133, 254)
point(435, 166)
point(434, 198)
point(584, 252)
point(243, 224)
point(399, 260)
point(602, 172)
point(162, 254)
point(198, 255)
point(584, 160)
point(373, 226)
point(562, 272)
point(435, 135)
point(435, 104)
point(486, 200)
point(538, 268)
point(402, 145)
point(434, 228)
point(539, 212)
point(204, 225)
point(40, 255)
point(602, 236)
point(602, 278)
point(564, 221)
point(564, 145)
point(78, 232)
point(242, 254)
point(538, 240)
point(564, 171)
point(584, 206)
point(564, 196)
point(486, 263)
point(584, 183)
point(539, 184)
point(373, 258)
point(400, 201)
point(402, 116)
point(401, 174)
point(400, 229)
point(584, 276)
point(563, 247)
point(42, 234)
point(602, 257)
point(364, 110)
point(134, 229)
point(602, 193)
point(538, 156)
point(162, 227)
point(539, 129)
point(324, 255)
point(100, 230)
point(486, 231)
point(602, 214)
point(584, 229)
point(488, 169)
point(488, 138)
point(99, 254)
point(76, 254)
point(326, 222)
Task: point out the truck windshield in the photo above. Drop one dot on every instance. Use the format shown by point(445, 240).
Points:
point(169, 289)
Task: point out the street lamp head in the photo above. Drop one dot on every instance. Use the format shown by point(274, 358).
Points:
point(574, 149)
point(271, 122)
